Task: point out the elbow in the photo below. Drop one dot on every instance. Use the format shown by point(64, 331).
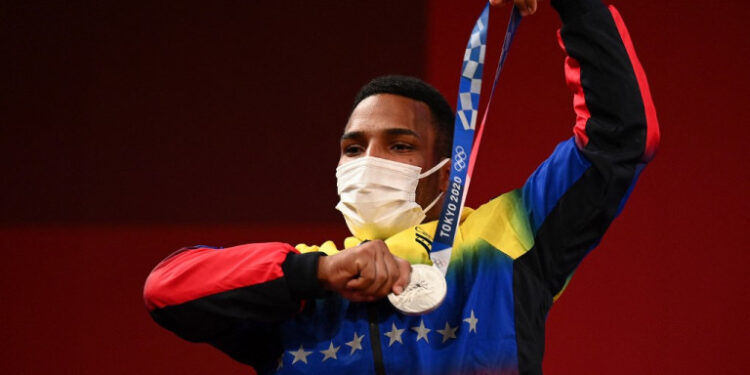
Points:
point(154, 293)
point(653, 137)
point(158, 298)
point(166, 282)
point(162, 287)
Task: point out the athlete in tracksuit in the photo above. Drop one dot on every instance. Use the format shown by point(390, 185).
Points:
point(262, 304)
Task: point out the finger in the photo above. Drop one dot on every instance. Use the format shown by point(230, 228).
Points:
point(523, 7)
point(365, 277)
point(380, 273)
point(392, 272)
point(532, 6)
point(355, 296)
point(529, 7)
point(404, 275)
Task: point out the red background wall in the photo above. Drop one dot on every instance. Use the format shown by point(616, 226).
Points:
point(130, 130)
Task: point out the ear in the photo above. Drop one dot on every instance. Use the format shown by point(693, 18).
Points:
point(445, 175)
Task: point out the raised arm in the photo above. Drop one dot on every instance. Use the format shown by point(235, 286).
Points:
point(575, 194)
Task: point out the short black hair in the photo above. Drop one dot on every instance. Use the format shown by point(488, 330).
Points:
point(416, 89)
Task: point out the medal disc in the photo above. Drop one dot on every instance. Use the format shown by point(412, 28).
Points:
point(424, 293)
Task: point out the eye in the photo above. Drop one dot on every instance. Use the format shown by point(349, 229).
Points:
point(352, 149)
point(402, 147)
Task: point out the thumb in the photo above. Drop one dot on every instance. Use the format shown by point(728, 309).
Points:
point(403, 277)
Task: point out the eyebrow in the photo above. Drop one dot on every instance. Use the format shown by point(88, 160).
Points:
point(352, 135)
point(391, 132)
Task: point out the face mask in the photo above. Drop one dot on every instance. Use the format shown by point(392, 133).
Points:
point(377, 196)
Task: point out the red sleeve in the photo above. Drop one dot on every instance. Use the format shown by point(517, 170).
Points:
point(194, 273)
point(232, 298)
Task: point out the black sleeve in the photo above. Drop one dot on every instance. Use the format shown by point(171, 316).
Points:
point(233, 298)
point(574, 196)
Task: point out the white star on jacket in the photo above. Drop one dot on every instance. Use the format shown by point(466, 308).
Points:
point(300, 354)
point(330, 352)
point(421, 331)
point(448, 332)
point(356, 343)
point(472, 320)
point(394, 334)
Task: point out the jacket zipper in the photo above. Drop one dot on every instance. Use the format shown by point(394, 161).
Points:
point(377, 351)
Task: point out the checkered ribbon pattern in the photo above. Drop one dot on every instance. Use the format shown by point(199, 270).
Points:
point(471, 74)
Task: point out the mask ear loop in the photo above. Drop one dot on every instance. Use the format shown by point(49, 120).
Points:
point(433, 169)
point(429, 206)
point(429, 172)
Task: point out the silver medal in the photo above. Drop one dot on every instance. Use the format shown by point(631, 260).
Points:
point(425, 292)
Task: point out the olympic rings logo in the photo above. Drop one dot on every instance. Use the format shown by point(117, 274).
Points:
point(459, 158)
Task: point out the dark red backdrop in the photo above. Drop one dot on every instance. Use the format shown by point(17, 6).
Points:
point(130, 130)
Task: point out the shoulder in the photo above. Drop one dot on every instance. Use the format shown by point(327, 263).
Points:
point(503, 222)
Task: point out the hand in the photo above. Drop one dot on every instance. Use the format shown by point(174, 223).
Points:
point(364, 273)
point(526, 7)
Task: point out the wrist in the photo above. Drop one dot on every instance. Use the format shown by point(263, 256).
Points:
point(300, 272)
point(322, 272)
point(570, 10)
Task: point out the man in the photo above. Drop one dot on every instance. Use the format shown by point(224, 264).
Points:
point(283, 309)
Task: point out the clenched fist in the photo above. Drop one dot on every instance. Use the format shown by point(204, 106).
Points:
point(364, 273)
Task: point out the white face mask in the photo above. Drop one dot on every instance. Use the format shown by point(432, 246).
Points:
point(378, 196)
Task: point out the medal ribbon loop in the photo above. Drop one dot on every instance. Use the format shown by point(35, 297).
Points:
point(463, 152)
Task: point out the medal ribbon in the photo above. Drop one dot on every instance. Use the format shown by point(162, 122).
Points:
point(462, 158)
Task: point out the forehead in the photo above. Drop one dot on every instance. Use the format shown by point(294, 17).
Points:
point(386, 111)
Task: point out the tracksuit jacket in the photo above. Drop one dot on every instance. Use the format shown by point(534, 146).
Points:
point(263, 305)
